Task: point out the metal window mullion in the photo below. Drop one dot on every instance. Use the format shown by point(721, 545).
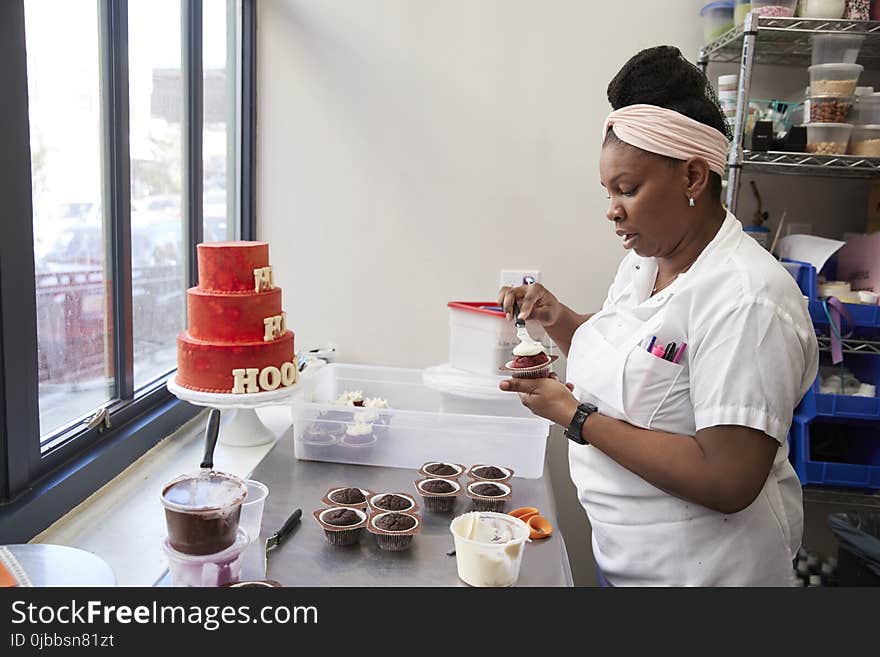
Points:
point(19, 405)
point(117, 185)
point(193, 94)
point(248, 106)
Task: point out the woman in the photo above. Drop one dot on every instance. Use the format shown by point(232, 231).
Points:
point(684, 474)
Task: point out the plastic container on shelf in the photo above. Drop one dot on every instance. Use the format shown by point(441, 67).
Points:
point(834, 79)
point(857, 10)
point(742, 9)
point(830, 109)
point(828, 138)
point(865, 317)
point(481, 337)
point(717, 19)
point(835, 48)
point(774, 8)
point(415, 428)
point(866, 110)
point(865, 141)
point(822, 8)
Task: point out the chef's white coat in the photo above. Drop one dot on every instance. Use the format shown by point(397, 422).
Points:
point(751, 355)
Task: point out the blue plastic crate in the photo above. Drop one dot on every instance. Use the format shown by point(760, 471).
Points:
point(834, 453)
point(864, 317)
point(866, 368)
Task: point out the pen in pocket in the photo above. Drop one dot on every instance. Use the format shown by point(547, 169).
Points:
point(679, 352)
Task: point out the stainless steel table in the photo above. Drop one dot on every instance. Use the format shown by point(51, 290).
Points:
point(306, 559)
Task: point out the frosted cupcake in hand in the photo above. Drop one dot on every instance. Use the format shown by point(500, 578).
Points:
point(530, 361)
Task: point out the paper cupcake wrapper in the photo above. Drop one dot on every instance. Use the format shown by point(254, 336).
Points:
point(392, 541)
point(362, 506)
point(430, 475)
point(414, 508)
point(542, 373)
point(522, 371)
point(488, 503)
point(473, 475)
point(349, 441)
point(439, 502)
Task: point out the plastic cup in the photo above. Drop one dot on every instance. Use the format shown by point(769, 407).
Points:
point(822, 8)
point(836, 48)
point(252, 508)
point(834, 79)
point(866, 141)
point(717, 19)
point(207, 569)
point(866, 110)
point(828, 138)
point(482, 561)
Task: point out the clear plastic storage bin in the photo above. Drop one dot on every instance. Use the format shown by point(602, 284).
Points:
point(865, 141)
point(414, 428)
point(481, 337)
point(834, 79)
point(836, 48)
point(867, 109)
point(828, 138)
point(717, 19)
point(774, 8)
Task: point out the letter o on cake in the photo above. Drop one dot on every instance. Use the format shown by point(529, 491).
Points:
point(288, 374)
point(270, 378)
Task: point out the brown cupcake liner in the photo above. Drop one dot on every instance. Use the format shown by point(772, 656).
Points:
point(377, 509)
point(429, 475)
point(346, 443)
point(473, 475)
point(392, 541)
point(439, 502)
point(542, 373)
point(361, 506)
point(342, 535)
point(486, 502)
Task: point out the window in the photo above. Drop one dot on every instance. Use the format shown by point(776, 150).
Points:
point(128, 130)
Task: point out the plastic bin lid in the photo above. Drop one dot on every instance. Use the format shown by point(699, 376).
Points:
point(483, 307)
point(450, 380)
point(721, 4)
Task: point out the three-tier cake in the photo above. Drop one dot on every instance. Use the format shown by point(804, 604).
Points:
point(237, 340)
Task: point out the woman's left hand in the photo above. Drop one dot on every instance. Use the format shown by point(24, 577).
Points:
point(548, 398)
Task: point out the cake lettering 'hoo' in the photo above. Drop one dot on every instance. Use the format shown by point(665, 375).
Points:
point(269, 378)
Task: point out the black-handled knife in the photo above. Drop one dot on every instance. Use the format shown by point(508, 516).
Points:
point(276, 539)
point(211, 433)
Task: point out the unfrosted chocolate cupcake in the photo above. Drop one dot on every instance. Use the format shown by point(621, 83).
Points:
point(488, 496)
point(342, 525)
point(344, 496)
point(439, 494)
point(394, 531)
point(433, 469)
point(393, 502)
point(490, 473)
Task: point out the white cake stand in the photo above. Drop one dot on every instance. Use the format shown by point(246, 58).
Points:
point(243, 427)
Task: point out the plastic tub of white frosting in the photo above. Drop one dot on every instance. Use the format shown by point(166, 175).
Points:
point(489, 547)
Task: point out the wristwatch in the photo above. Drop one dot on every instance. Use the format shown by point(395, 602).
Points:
point(577, 423)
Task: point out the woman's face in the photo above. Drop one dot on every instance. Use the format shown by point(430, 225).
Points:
point(647, 199)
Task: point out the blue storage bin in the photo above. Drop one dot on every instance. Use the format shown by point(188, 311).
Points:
point(866, 368)
point(834, 453)
point(866, 318)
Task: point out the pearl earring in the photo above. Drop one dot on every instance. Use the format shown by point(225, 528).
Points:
point(691, 201)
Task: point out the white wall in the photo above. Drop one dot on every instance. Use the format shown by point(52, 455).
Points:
point(408, 150)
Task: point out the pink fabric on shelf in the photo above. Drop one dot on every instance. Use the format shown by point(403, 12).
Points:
point(670, 133)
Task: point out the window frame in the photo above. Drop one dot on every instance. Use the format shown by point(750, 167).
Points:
point(35, 488)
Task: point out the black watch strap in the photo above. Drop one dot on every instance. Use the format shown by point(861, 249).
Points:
point(575, 429)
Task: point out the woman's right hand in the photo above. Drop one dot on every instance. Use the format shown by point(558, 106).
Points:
point(534, 301)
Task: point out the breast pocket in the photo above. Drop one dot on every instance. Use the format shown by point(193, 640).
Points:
point(647, 383)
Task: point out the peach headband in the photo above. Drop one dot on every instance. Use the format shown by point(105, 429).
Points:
point(670, 133)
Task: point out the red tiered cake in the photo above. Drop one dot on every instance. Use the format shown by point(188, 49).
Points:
point(237, 339)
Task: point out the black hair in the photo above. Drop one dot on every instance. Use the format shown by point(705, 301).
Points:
point(662, 76)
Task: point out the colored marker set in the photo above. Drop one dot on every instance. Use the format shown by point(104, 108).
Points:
point(671, 352)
